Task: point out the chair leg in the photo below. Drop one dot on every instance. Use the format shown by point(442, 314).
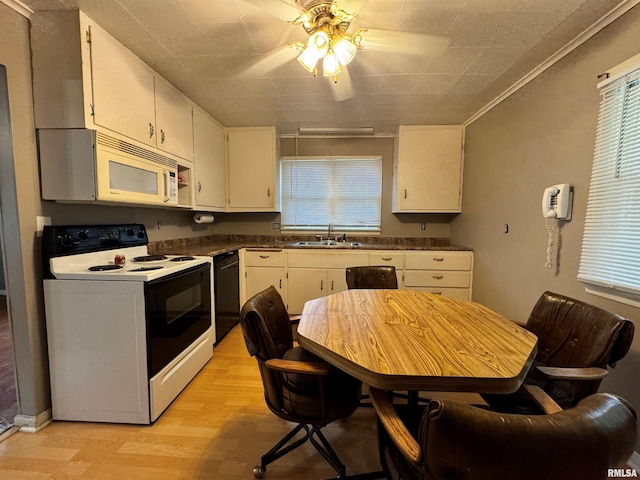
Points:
point(329, 454)
point(281, 448)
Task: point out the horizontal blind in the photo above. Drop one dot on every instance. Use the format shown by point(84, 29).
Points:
point(610, 258)
point(343, 191)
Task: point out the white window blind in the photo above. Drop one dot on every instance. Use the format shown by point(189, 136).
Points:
point(343, 191)
point(610, 260)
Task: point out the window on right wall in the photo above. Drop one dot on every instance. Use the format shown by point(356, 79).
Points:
point(610, 258)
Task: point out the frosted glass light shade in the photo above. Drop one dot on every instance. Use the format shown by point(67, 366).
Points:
point(344, 50)
point(308, 60)
point(318, 44)
point(330, 65)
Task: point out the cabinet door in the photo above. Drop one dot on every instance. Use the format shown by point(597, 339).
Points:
point(174, 122)
point(305, 284)
point(428, 169)
point(123, 98)
point(209, 151)
point(336, 280)
point(252, 169)
point(259, 278)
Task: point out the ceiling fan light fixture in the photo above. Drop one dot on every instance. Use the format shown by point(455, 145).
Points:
point(331, 65)
point(345, 50)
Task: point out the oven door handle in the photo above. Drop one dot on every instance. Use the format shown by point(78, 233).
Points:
point(226, 267)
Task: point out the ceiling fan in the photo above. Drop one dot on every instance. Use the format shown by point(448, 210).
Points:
point(330, 44)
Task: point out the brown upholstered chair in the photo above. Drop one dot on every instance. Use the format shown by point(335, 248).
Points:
point(372, 277)
point(298, 386)
point(576, 344)
point(448, 440)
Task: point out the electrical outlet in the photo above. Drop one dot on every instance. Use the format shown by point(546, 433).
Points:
point(275, 226)
point(423, 227)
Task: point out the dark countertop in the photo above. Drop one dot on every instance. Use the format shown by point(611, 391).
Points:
point(211, 245)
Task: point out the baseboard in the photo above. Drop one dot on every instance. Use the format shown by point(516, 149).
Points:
point(31, 424)
point(634, 461)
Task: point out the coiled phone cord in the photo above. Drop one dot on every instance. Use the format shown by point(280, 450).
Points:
point(551, 229)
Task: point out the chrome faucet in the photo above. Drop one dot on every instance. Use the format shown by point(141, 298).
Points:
point(329, 232)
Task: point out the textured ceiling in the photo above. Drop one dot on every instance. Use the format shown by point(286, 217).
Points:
point(204, 47)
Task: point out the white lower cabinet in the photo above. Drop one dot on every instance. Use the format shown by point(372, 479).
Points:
point(303, 275)
point(443, 273)
point(263, 268)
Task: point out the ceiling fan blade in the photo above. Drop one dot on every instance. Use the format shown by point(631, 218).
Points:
point(343, 89)
point(270, 61)
point(407, 43)
point(286, 10)
point(351, 6)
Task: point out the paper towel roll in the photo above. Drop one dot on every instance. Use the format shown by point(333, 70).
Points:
point(203, 218)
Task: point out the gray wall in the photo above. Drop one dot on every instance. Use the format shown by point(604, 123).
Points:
point(542, 135)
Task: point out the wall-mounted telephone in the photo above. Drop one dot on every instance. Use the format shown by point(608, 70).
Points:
point(556, 202)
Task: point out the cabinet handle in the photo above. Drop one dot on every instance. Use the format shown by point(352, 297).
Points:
point(264, 256)
point(387, 259)
point(161, 136)
point(437, 293)
point(437, 277)
point(332, 285)
point(281, 284)
point(321, 285)
point(405, 193)
point(151, 130)
point(268, 192)
point(438, 259)
point(199, 186)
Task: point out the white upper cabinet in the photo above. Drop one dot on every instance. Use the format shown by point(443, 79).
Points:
point(123, 89)
point(85, 78)
point(252, 168)
point(428, 169)
point(174, 120)
point(209, 162)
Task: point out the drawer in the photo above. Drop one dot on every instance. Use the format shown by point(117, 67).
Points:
point(436, 278)
point(297, 258)
point(461, 293)
point(264, 258)
point(387, 258)
point(436, 260)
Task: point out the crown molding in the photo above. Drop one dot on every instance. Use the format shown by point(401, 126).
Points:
point(607, 19)
point(19, 7)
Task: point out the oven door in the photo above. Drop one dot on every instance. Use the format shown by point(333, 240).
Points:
point(178, 311)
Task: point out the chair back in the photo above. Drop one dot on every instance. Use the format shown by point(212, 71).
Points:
point(463, 441)
point(372, 277)
point(572, 333)
point(267, 334)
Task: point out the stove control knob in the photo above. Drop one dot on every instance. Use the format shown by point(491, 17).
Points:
point(65, 240)
point(140, 234)
point(130, 232)
point(83, 235)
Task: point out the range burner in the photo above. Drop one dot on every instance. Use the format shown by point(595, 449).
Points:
point(104, 268)
point(150, 258)
point(146, 269)
point(182, 259)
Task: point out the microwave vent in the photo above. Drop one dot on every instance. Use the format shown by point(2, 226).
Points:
point(129, 148)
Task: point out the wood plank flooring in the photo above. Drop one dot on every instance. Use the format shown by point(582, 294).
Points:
point(216, 429)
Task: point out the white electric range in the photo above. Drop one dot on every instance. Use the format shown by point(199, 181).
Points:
point(126, 331)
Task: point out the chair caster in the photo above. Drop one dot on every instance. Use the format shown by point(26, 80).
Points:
point(258, 471)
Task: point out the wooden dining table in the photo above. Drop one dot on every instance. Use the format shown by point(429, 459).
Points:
point(417, 341)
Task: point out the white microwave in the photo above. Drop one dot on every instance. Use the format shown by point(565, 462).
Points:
point(80, 165)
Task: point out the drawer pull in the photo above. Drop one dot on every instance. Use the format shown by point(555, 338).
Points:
point(437, 293)
point(437, 277)
point(438, 259)
point(265, 256)
point(321, 285)
point(387, 259)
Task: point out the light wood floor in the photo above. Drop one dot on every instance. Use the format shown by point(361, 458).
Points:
point(216, 429)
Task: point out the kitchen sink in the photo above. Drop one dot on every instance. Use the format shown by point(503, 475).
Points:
point(327, 243)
